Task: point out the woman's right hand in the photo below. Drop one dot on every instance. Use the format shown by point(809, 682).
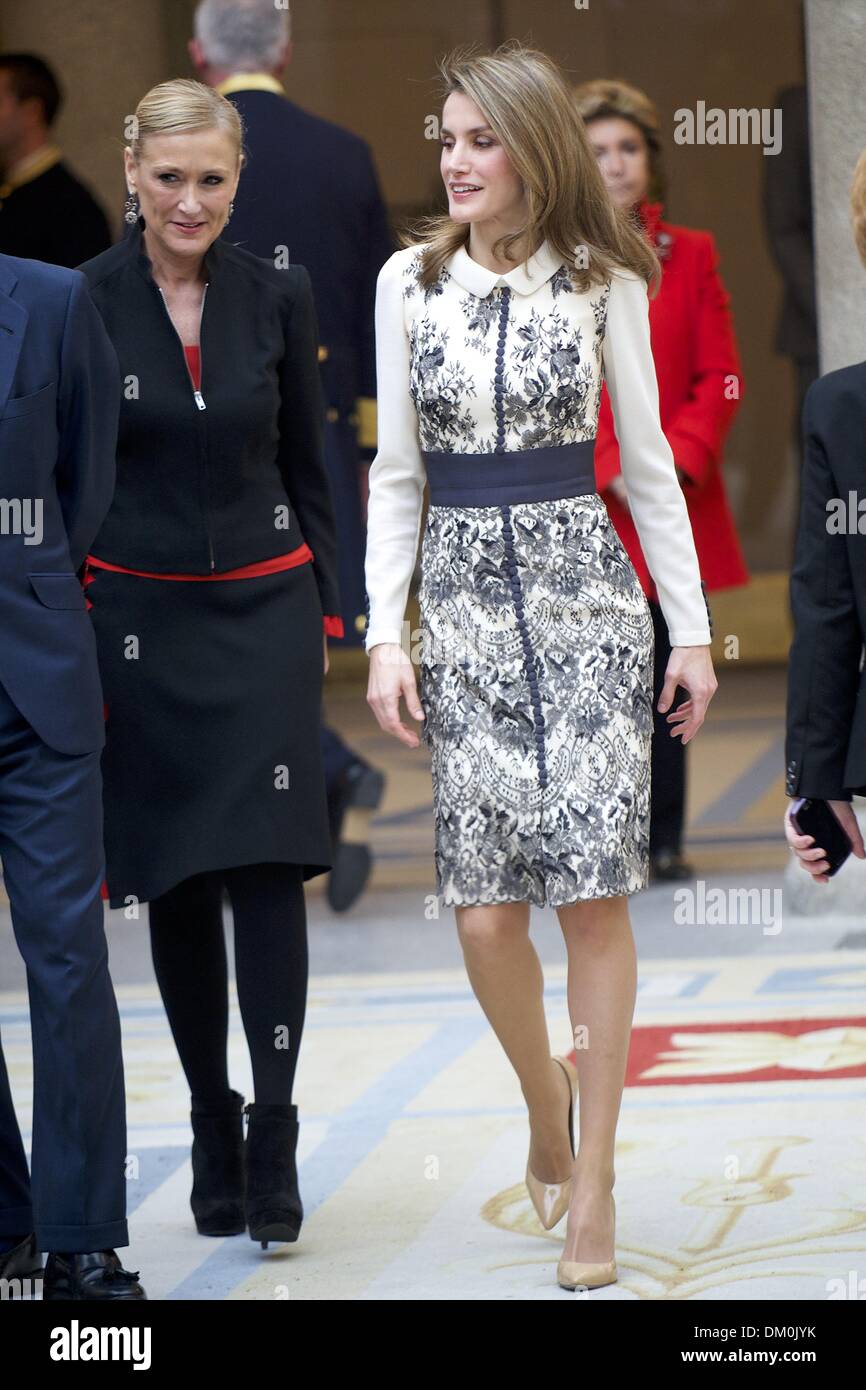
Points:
point(392, 675)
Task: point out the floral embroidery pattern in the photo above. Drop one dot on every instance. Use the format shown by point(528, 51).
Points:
point(537, 639)
point(413, 285)
point(500, 835)
point(480, 315)
point(553, 376)
point(438, 386)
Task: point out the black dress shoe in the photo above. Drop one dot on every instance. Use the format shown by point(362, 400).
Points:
point(274, 1210)
point(217, 1197)
point(23, 1261)
point(669, 866)
point(366, 783)
point(96, 1276)
point(359, 787)
point(349, 875)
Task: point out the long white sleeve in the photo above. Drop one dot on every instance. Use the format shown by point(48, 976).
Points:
point(397, 474)
point(656, 499)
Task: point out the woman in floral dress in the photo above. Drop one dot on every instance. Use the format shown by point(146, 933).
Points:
point(494, 333)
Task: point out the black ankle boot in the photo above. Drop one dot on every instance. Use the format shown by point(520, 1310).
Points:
point(274, 1210)
point(217, 1197)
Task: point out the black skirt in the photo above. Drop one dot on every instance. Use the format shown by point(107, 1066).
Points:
point(213, 694)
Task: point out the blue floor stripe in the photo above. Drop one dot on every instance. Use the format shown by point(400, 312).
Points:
point(350, 1139)
point(156, 1166)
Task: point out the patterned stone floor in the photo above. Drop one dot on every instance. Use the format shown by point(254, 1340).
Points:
point(741, 1157)
point(741, 1154)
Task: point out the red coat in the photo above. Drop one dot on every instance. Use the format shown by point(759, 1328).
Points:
point(694, 348)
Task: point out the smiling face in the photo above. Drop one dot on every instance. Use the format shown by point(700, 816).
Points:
point(185, 183)
point(623, 158)
point(482, 184)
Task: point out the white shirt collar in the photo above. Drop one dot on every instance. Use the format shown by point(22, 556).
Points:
point(524, 279)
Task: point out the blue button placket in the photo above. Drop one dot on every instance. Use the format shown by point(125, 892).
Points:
point(510, 556)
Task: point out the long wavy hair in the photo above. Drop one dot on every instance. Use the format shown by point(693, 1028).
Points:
point(527, 102)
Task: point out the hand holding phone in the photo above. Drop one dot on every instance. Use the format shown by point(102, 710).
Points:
point(825, 842)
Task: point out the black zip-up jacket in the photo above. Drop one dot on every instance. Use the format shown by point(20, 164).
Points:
point(209, 481)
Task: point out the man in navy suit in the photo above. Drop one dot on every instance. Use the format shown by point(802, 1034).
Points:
point(59, 405)
point(309, 192)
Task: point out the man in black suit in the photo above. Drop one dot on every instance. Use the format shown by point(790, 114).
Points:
point(826, 719)
point(59, 405)
point(46, 213)
point(309, 194)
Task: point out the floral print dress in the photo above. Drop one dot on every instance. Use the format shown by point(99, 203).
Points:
point(536, 651)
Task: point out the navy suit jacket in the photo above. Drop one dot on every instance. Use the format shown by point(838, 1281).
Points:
point(59, 407)
point(311, 186)
point(826, 715)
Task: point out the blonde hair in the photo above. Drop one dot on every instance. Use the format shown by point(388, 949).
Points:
point(858, 206)
point(528, 104)
point(607, 97)
point(170, 108)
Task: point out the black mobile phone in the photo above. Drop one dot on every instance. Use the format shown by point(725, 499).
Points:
point(818, 818)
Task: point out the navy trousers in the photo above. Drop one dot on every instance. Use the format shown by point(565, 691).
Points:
point(51, 848)
point(342, 460)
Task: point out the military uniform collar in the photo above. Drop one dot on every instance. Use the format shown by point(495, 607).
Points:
point(523, 279)
point(30, 168)
point(250, 82)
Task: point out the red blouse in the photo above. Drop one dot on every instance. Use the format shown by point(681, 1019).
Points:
point(300, 556)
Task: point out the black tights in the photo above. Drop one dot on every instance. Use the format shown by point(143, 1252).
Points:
point(271, 965)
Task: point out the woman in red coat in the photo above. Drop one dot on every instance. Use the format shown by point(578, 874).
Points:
point(698, 371)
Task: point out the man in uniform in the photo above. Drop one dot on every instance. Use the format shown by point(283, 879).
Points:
point(309, 194)
point(46, 213)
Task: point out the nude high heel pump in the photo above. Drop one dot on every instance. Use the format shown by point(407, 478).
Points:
point(572, 1275)
point(551, 1199)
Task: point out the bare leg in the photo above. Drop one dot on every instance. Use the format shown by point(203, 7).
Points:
point(602, 986)
point(505, 974)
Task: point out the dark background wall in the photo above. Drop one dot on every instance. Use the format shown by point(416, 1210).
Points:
point(371, 66)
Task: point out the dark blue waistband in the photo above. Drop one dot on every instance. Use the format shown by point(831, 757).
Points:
point(524, 475)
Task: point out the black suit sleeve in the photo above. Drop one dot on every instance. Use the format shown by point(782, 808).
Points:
point(824, 662)
point(88, 413)
point(378, 245)
point(301, 456)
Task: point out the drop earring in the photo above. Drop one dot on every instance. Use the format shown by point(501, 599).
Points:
point(132, 208)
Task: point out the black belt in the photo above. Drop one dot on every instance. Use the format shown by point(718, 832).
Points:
point(522, 475)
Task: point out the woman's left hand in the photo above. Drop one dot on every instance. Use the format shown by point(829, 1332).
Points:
point(325, 636)
point(691, 667)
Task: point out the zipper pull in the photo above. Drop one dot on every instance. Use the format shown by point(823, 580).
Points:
point(199, 400)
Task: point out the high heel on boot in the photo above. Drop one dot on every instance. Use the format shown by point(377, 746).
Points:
point(217, 1198)
point(273, 1206)
point(551, 1199)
